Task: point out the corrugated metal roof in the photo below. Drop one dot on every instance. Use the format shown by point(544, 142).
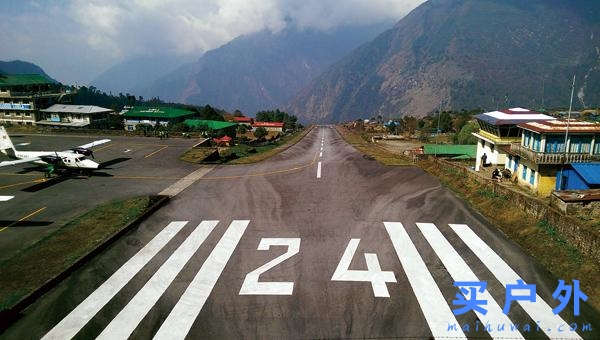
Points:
point(511, 116)
point(590, 172)
point(560, 126)
point(211, 124)
point(157, 112)
point(450, 149)
point(83, 109)
point(23, 79)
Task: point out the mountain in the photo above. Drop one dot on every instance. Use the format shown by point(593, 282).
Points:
point(262, 70)
point(21, 67)
point(465, 54)
point(135, 74)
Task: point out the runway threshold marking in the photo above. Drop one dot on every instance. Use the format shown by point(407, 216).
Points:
point(460, 272)
point(539, 310)
point(68, 327)
point(6, 198)
point(182, 317)
point(24, 218)
point(433, 304)
point(129, 317)
point(155, 152)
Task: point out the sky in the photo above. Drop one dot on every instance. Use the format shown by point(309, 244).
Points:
point(76, 40)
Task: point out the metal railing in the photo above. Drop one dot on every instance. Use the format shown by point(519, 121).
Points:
point(551, 158)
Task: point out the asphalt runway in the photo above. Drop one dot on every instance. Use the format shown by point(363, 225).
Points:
point(316, 242)
point(135, 166)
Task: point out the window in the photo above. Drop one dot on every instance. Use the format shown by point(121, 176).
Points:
point(509, 161)
point(7, 114)
point(526, 139)
point(597, 145)
point(532, 177)
point(555, 144)
point(516, 165)
point(524, 174)
point(17, 114)
point(537, 142)
point(580, 144)
point(28, 114)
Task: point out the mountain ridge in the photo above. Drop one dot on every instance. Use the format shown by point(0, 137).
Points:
point(463, 54)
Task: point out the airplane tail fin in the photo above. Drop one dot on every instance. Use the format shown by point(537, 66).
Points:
point(6, 145)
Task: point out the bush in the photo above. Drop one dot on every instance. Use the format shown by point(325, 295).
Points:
point(260, 132)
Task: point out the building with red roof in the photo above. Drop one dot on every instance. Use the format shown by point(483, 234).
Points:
point(223, 141)
point(243, 120)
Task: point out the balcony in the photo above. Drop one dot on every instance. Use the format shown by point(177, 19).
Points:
point(551, 158)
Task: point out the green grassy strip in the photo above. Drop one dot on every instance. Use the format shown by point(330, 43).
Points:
point(33, 266)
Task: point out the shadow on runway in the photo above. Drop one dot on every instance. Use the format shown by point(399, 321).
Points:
point(105, 165)
point(22, 224)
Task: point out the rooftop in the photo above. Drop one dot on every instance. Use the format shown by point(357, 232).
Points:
point(590, 172)
point(560, 126)
point(451, 149)
point(268, 124)
point(157, 112)
point(242, 119)
point(512, 116)
point(211, 124)
point(24, 79)
point(82, 109)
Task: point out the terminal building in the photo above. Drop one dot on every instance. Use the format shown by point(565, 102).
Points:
point(154, 116)
point(23, 95)
point(72, 116)
point(549, 154)
point(498, 129)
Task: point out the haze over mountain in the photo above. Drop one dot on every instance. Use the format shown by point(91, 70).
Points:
point(133, 75)
point(465, 54)
point(262, 70)
point(21, 67)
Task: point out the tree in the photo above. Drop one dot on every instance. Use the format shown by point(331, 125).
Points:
point(242, 129)
point(260, 132)
point(465, 136)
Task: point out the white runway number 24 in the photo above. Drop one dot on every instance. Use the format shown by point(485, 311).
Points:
point(373, 274)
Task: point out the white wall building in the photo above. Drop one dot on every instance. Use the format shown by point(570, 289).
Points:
point(72, 115)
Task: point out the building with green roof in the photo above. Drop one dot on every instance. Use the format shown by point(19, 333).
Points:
point(451, 150)
point(220, 127)
point(155, 115)
point(23, 95)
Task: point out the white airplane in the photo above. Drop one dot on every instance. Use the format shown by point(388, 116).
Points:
point(74, 159)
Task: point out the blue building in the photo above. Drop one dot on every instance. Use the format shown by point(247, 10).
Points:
point(579, 176)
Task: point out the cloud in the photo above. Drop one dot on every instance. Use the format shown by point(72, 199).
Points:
point(94, 34)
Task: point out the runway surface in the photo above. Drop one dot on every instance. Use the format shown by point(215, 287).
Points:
point(316, 242)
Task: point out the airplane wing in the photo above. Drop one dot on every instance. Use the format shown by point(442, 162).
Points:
point(20, 161)
point(94, 143)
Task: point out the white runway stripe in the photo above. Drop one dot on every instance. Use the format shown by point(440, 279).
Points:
point(182, 317)
point(460, 271)
point(433, 304)
point(6, 198)
point(129, 317)
point(539, 311)
point(85, 311)
point(319, 170)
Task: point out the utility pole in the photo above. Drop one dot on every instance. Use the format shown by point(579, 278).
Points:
point(567, 133)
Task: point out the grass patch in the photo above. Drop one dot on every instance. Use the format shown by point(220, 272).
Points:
point(539, 239)
point(196, 155)
point(362, 144)
point(33, 266)
point(247, 155)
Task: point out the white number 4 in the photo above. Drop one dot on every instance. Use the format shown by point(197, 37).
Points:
point(373, 273)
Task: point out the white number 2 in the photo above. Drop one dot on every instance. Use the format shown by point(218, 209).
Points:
point(373, 273)
point(251, 286)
